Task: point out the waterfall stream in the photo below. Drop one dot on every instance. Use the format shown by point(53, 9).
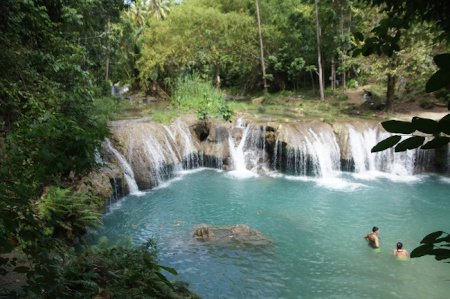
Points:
point(156, 152)
point(127, 170)
point(238, 155)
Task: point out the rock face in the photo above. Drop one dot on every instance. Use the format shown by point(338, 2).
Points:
point(106, 183)
point(155, 151)
point(239, 233)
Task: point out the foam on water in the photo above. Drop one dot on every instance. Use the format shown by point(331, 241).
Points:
point(374, 175)
point(339, 184)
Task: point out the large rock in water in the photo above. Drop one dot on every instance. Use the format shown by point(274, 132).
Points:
point(239, 233)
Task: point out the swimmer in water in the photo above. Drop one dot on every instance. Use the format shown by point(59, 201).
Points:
point(401, 253)
point(374, 240)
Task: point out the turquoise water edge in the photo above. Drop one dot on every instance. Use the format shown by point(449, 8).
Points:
point(316, 225)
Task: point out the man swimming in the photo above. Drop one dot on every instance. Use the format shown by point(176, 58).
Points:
point(400, 252)
point(373, 238)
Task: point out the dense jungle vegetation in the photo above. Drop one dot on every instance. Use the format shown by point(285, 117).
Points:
point(61, 58)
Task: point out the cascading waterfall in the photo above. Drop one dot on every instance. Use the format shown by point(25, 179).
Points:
point(400, 163)
point(237, 153)
point(307, 152)
point(189, 153)
point(255, 149)
point(155, 152)
point(126, 168)
point(327, 152)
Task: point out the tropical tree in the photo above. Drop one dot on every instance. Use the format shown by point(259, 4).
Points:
point(195, 38)
point(319, 51)
point(406, 13)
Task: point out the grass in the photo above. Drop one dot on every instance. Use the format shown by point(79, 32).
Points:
point(192, 95)
point(289, 105)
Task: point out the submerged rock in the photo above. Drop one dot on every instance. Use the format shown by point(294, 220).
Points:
point(239, 233)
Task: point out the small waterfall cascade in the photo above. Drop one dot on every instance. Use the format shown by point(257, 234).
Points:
point(183, 137)
point(155, 152)
point(126, 168)
point(327, 153)
point(255, 149)
point(237, 153)
point(400, 163)
point(302, 150)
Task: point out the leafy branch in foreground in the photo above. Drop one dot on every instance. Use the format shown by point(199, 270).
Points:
point(434, 244)
point(104, 271)
point(438, 130)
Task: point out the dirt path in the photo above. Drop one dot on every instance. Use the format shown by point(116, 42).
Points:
point(406, 111)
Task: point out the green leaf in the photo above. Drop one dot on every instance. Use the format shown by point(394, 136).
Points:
point(397, 126)
point(358, 36)
point(367, 50)
point(425, 125)
point(436, 142)
point(168, 269)
point(410, 143)
point(444, 239)
point(422, 250)
point(444, 124)
point(441, 253)
point(386, 143)
point(356, 53)
point(442, 61)
point(430, 238)
point(387, 50)
point(438, 80)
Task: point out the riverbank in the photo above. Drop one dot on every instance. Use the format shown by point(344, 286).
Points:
point(289, 105)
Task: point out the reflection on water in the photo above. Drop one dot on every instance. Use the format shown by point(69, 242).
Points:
point(317, 227)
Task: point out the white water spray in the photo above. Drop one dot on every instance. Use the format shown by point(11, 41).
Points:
point(126, 168)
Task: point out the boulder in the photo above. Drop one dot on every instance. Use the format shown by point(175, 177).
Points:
point(239, 233)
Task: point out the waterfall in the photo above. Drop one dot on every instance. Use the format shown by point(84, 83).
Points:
point(126, 168)
point(307, 152)
point(238, 155)
point(327, 153)
point(157, 152)
point(189, 154)
point(400, 163)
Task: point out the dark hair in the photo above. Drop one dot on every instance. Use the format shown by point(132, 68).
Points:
point(375, 228)
point(399, 245)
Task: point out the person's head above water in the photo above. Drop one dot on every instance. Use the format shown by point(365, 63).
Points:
point(375, 229)
point(399, 245)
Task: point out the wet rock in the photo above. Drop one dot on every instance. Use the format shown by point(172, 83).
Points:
point(239, 233)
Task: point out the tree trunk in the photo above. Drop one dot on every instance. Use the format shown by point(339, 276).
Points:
point(343, 49)
point(333, 74)
point(319, 56)
point(261, 46)
point(391, 81)
point(217, 78)
point(108, 48)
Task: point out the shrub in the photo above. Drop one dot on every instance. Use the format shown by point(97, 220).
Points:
point(104, 271)
point(67, 214)
point(193, 93)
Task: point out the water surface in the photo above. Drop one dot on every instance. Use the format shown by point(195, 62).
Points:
point(317, 226)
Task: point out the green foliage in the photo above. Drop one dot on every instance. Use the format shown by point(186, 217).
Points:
point(396, 126)
point(109, 108)
point(436, 244)
point(440, 79)
point(164, 116)
point(423, 125)
point(386, 143)
point(193, 93)
point(197, 37)
point(66, 214)
point(108, 272)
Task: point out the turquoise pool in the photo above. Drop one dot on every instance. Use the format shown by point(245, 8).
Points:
point(317, 227)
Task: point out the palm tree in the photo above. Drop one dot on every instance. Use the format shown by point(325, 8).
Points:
point(160, 8)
